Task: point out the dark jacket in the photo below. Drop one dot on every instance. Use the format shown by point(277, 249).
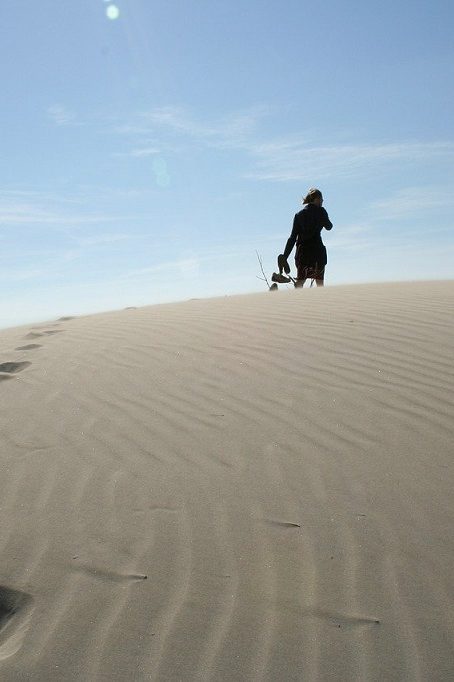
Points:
point(307, 226)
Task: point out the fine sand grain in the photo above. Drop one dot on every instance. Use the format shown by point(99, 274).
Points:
point(245, 488)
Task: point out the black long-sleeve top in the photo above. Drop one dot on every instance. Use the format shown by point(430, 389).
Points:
point(306, 233)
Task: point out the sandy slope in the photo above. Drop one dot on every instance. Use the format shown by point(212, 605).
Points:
point(247, 488)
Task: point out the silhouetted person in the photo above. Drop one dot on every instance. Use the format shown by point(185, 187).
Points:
point(310, 257)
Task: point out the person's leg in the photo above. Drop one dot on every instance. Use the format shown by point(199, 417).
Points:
point(320, 276)
point(301, 275)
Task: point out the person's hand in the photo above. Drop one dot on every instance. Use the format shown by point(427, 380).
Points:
point(283, 264)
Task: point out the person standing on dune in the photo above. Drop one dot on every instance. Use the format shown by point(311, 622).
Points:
point(310, 257)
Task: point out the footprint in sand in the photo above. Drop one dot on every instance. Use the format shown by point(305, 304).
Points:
point(13, 367)
point(15, 614)
point(281, 524)
point(342, 620)
point(29, 346)
point(48, 332)
point(107, 574)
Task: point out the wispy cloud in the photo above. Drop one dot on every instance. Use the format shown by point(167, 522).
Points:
point(233, 129)
point(278, 159)
point(186, 267)
point(102, 239)
point(24, 214)
point(34, 208)
point(10, 275)
point(62, 116)
point(293, 159)
point(145, 151)
point(229, 128)
point(354, 237)
point(411, 201)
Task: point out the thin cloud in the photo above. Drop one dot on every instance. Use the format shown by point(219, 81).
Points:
point(182, 266)
point(412, 201)
point(146, 151)
point(32, 208)
point(294, 160)
point(354, 237)
point(102, 239)
point(288, 158)
point(21, 275)
point(23, 214)
point(230, 127)
point(62, 116)
point(175, 124)
point(139, 152)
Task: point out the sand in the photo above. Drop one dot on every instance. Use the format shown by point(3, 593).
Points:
point(245, 488)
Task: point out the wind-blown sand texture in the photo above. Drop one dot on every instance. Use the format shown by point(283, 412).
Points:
point(245, 488)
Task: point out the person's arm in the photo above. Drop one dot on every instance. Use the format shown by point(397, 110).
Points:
point(327, 224)
point(292, 239)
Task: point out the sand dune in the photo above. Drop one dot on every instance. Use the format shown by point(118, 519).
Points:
point(245, 488)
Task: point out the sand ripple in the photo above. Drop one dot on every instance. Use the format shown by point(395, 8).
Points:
point(248, 488)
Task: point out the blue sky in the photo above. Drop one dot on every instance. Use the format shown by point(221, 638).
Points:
point(147, 156)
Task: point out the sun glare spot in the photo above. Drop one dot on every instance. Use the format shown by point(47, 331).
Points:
point(112, 12)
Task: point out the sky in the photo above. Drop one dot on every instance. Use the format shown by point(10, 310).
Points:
point(149, 149)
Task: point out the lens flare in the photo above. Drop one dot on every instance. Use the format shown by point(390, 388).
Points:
point(161, 174)
point(163, 180)
point(112, 12)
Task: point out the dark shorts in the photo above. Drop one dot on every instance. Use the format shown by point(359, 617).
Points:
point(311, 272)
point(310, 261)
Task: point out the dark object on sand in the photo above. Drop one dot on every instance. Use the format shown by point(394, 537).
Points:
point(283, 266)
point(281, 279)
point(277, 277)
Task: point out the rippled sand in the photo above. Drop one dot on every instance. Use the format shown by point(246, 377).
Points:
point(246, 488)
